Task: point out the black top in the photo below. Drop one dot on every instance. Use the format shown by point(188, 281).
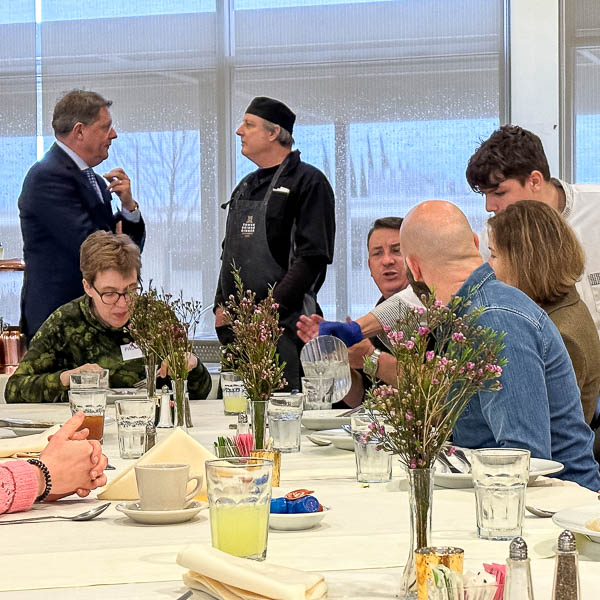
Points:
point(305, 218)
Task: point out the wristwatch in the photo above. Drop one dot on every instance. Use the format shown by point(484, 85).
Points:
point(372, 362)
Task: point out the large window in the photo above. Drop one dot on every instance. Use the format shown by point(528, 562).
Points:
point(391, 99)
point(582, 90)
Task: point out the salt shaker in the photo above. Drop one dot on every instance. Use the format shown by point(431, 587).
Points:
point(518, 584)
point(566, 576)
point(166, 417)
point(242, 424)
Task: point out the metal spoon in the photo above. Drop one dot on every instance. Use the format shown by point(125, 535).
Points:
point(318, 441)
point(88, 515)
point(539, 512)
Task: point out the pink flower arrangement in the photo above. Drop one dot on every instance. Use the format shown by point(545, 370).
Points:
point(442, 360)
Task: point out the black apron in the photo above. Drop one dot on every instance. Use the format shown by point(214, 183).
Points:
point(247, 246)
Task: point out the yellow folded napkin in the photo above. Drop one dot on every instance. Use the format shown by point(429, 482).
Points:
point(26, 445)
point(179, 447)
point(231, 578)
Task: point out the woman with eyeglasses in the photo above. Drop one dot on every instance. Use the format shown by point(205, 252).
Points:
point(533, 248)
point(89, 332)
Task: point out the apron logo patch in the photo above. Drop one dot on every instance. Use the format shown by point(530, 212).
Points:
point(248, 227)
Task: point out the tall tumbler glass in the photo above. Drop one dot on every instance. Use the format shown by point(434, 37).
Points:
point(133, 417)
point(500, 476)
point(285, 414)
point(239, 495)
point(234, 394)
point(92, 403)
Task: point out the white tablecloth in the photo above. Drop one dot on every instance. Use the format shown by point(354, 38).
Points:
point(360, 546)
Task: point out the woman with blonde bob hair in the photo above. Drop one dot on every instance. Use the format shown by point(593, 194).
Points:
point(533, 248)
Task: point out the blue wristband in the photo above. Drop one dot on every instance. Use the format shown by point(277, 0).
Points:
point(349, 333)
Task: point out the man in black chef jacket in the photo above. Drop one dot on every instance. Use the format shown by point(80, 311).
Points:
point(280, 227)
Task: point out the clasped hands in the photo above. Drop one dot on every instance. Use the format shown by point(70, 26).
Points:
point(76, 464)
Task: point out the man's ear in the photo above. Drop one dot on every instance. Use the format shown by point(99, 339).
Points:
point(535, 181)
point(77, 130)
point(476, 240)
point(412, 263)
point(273, 134)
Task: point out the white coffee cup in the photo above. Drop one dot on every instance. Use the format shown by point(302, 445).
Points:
point(164, 486)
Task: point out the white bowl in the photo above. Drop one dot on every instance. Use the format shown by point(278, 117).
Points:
point(296, 521)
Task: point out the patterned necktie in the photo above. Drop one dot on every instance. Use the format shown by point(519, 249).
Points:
point(91, 177)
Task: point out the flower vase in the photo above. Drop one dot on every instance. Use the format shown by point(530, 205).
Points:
point(183, 416)
point(258, 414)
point(420, 497)
point(151, 366)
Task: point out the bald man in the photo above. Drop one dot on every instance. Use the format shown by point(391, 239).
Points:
point(538, 407)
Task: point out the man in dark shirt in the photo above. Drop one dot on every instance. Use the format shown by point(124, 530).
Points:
point(280, 227)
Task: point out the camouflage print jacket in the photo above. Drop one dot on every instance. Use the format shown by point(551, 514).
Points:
point(72, 336)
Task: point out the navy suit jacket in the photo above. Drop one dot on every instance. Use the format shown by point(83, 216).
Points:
point(58, 209)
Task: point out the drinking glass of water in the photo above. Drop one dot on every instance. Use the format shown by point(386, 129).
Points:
point(132, 418)
point(285, 412)
point(500, 476)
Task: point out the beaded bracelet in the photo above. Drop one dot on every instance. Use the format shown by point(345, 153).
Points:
point(44, 469)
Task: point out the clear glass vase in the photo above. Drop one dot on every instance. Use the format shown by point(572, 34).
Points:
point(151, 366)
point(258, 414)
point(420, 497)
point(183, 415)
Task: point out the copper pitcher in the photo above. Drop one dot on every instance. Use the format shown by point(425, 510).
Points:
point(12, 349)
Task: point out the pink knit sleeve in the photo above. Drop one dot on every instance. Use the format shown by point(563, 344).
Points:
point(18, 486)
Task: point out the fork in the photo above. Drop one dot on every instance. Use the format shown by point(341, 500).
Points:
point(446, 462)
point(463, 458)
point(140, 384)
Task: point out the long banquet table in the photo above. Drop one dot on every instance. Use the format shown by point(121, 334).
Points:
point(360, 546)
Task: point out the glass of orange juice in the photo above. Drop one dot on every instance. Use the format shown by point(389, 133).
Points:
point(239, 496)
point(92, 403)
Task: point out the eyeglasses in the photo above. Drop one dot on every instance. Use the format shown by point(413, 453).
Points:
point(113, 297)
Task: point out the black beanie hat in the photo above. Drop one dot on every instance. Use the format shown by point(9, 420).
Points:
point(274, 111)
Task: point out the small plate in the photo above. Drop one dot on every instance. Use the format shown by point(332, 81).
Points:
point(297, 521)
point(125, 394)
point(318, 420)
point(160, 517)
point(537, 467)
point(338, 438)
point(575, 519)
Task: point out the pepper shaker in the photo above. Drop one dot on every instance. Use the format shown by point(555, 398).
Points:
point(566, 576)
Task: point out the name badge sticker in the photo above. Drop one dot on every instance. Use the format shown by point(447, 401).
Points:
point(131, 351)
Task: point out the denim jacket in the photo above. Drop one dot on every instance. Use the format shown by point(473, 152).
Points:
point(539, 407)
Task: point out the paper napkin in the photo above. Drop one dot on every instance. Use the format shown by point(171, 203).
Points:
point(179, 447)
point(27, 445)
point(228, 577)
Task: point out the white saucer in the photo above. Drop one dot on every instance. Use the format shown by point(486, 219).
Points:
point(337, 437)
point(296, 521)
point(537, 468)
point(317, 420)
point(160, 517)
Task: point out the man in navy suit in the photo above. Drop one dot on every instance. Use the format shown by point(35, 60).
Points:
point(63, 201)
